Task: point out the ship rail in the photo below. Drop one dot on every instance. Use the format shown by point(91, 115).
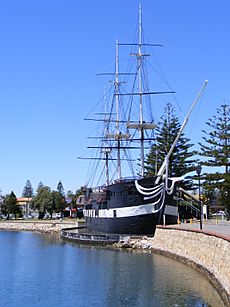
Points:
point(72, 234)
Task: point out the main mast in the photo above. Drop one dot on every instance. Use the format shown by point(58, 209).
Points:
point(139, 57)
point(116, 84)
point(142, 125)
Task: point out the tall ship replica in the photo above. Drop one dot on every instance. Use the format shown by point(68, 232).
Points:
point(134, 204)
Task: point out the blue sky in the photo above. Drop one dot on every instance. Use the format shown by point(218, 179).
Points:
point(51, 51)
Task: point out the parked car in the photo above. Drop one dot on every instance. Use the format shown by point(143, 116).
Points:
point(27, 216)
point(56, 215)
point(41, 215)
point(219, 213)
point(34, 215)
point(47, 216)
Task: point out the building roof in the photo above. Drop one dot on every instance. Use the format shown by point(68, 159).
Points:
point(24, 199)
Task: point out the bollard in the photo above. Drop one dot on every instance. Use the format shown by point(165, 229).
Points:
point(191, 221)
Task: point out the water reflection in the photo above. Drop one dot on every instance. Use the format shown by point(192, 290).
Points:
point(52, 271)
point(136, 279)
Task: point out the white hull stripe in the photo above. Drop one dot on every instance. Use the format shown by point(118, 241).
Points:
point(122, 212)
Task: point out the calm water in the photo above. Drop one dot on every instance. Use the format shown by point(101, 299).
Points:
point(44, 270)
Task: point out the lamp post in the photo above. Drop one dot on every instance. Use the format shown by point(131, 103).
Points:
point(198, 171)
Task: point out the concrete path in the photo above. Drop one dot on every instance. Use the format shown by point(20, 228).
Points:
point(215, 226)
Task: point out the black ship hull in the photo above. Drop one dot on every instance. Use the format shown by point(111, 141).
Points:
point(139, 225)
point(125, 208)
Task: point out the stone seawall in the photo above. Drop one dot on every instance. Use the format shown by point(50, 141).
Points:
point(207, 252)
point(45, 227)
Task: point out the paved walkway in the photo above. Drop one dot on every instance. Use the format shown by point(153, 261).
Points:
point(215, 226)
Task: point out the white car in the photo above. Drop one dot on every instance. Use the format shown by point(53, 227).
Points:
point(219, 213)
point(27, 216)
point(56, 215)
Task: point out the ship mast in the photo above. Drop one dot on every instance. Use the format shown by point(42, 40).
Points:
point(139, 60)
point(118, 136)
point(116, 84)
point(107, 150)
point(141, 125)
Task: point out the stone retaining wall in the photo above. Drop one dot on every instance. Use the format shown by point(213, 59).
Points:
point(35, 226)
point(206, 252)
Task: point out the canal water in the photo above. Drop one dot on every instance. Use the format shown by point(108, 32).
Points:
point(44, 270)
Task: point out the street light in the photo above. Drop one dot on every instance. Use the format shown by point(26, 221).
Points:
point(198, 171)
